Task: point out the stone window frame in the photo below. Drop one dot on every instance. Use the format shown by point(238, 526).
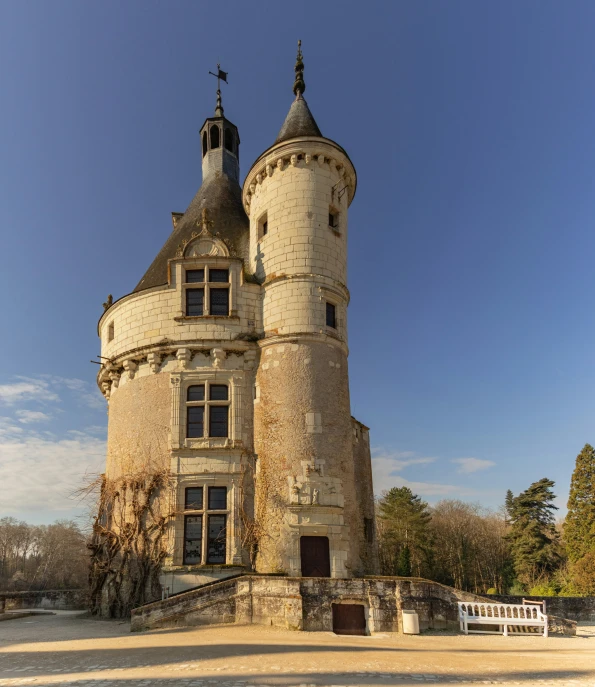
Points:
point(206, 262)
point(205, 512)
point(207, 403)
point(180, 383)
point(330, 296)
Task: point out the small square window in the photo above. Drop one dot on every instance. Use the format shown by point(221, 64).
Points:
point(195, 276)
point(194, 496)
point(219, 276)
point(217, 498)
point(196, 392)
point(263, 225)
point(195, 425)
point(331, 315)
point(195, 302)
point(218, 392)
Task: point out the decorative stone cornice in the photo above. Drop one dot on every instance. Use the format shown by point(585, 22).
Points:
point(294, 154)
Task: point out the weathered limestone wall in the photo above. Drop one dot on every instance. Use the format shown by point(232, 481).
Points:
point(364, 492)
point(138, 426)
point(303, 440)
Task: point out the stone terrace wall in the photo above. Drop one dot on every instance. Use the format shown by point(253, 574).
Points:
point(306, 603)
point(580, 608)
point(56, 599)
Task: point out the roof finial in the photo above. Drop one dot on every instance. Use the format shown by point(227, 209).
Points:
point(299, 85)
point(221, 76)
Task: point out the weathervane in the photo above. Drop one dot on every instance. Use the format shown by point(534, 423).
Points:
point(221, 76)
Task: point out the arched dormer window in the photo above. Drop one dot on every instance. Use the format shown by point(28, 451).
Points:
point(229, 139)
point(205, 144)
point(215, 137)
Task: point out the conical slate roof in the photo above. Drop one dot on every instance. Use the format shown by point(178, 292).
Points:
point(222, 197)
point(299, 121)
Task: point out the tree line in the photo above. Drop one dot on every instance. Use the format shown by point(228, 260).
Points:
point(38, 557)
point(518, 549)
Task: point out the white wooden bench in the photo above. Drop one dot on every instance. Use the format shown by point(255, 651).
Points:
point(514, 616)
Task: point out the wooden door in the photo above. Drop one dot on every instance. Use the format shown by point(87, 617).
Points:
point(315, 557)
point(349, 619)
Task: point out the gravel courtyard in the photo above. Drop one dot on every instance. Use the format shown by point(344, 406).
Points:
point(69, 649)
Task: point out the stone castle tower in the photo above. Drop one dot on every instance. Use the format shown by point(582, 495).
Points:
point(226, 368)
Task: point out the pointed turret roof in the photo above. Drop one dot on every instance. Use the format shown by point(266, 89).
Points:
point(299, 120)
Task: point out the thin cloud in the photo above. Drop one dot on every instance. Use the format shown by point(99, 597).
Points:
point(41, 472)
point(27, 389)
point(30, 416)
point(468, 466)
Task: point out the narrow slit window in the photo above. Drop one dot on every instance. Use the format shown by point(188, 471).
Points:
point(215, 136)
point(219, 304)
point(195, 302)
point(110, 332)
point(263, 226)
point(192, 539)
point(333, 219)
point(229, 139)
point(331, 315)
point(205, 145)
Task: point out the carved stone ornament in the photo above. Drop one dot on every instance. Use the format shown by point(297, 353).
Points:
point(202, 243)
point(131, 366)
point(218, 355)
point(184, 356)
point(154, 360)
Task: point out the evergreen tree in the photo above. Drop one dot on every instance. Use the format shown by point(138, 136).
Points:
point(533, 536)
point(404, 534)
point(579, 527)
point(404, 567)
point(508, 504)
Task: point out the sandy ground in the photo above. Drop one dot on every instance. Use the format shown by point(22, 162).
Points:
point(68, 649)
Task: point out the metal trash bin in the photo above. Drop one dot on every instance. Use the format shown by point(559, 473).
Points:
point(410, 623)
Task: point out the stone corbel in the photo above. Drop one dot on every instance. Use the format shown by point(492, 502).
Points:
point(269, 170)
point(130, 366)
point(218, 355)
point(333, 164)
point(154, 360)
point(259, 178)
point(184, 356)
point(105, 387)
point(321, 160)
point(308, 158)
point(280, 164)
point(115, 377)
point(293, 160)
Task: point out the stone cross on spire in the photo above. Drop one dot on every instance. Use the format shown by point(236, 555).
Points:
point(299, 85)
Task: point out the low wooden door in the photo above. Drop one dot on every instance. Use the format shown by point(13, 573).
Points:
point(315, 557)
point(349, 619)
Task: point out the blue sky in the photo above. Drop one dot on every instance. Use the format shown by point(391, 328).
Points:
point(471, 233)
